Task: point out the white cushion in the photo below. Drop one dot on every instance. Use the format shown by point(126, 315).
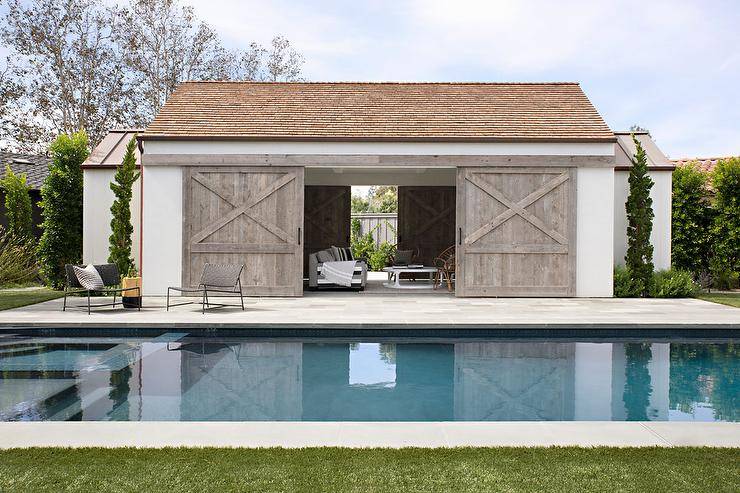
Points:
point(89, 277)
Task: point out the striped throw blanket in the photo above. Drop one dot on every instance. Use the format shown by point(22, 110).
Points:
point(339, 273)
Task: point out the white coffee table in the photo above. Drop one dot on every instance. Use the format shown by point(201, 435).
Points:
point(410, 284)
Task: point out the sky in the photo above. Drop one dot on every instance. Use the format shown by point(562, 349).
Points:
point(672, 67)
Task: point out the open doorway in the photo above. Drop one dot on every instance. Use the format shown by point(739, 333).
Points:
point(402, 218)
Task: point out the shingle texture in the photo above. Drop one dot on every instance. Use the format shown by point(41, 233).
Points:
point(36, 167)
point(378, 111)
point(705, 164)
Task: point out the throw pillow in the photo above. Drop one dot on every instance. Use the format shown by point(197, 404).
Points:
point(403, 257)
point(341, 254)
point(89, 277)
point(324, 256)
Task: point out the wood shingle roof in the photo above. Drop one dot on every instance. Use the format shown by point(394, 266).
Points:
point(547, 112)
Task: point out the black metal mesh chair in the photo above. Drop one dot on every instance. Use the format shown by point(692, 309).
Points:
point(111, 278)
point(215, 278)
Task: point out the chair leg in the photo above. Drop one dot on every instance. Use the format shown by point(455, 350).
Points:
point(114, 298)
point(205, 301)
point(241, 295)
point(168, 299)
point(88, 302)
point(64, 306)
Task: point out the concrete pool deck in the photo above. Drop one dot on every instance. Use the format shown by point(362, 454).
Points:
point(367, 434)
point(404, 310)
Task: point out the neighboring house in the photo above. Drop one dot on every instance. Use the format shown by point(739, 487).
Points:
point(521, 177)
point(705, 164)
point(660, 169)
point(98, 172)
point(36, 169)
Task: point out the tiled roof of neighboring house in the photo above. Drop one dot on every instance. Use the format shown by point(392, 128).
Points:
point(109, 153)
point(705, 164)
point(35, 166)
point(379, 111)
point(626, 149)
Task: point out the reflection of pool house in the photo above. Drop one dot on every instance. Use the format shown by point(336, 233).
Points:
point(475, 381)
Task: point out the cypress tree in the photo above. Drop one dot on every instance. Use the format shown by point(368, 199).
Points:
point(17, 204)
point(639, 206)
point(120, 224)
point(61, 203)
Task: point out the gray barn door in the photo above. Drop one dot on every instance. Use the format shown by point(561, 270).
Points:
point(516, 231)
point(426, 220)
point(249, 215)
point(328, 211)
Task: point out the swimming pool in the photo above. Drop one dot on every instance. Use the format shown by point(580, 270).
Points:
point(177, 376)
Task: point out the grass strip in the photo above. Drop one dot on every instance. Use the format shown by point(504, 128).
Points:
point(14, 298)
point(730, 299)
point(366, 470)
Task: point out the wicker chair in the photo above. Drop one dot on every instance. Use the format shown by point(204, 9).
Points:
point(215, 278)
point(445, 262)
point(111, 278)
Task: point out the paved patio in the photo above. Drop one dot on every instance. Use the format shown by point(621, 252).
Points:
point(367, 434)
point(408, 309)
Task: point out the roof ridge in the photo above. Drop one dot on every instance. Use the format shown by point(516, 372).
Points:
point(400, 83)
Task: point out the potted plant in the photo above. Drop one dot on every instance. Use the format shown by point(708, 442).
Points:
point(132, 279)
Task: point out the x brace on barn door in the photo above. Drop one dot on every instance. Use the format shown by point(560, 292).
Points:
point(245, 208)
point(517, 208)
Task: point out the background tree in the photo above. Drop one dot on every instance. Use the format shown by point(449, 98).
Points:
point(120, 224)
point(726, 225)
point(639, 206)
point(383, 198)
point(691, 220)
point(166, 44)
point(10, 92)
point(283, 63)
point(70, 70)
point(61, 203)
point(17, 205)
point(96, 65)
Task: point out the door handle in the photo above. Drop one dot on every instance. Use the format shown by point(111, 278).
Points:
point(459, 236)
point(299, 235)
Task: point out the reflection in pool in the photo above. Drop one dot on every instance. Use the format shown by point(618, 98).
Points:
point(183, 378)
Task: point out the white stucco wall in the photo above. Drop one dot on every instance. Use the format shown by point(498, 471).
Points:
point(162, 229)
point(594, 243)
point(96, 203)
point(661, 235)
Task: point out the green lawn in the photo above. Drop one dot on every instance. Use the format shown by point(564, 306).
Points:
point(406, 470)
point(731, 299)
point(13, 298)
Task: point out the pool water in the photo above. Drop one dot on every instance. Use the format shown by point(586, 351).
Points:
point(179, 377)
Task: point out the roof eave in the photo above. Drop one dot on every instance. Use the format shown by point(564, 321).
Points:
point(251, 138)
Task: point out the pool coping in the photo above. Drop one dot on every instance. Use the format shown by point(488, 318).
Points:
point(509, 332)
point(154, 434)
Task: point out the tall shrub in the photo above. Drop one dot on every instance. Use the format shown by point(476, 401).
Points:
point(17, 204)
point(120, 224)
point(639, 206)
point(726, 224)
point(61, 202)
point(691, 220)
